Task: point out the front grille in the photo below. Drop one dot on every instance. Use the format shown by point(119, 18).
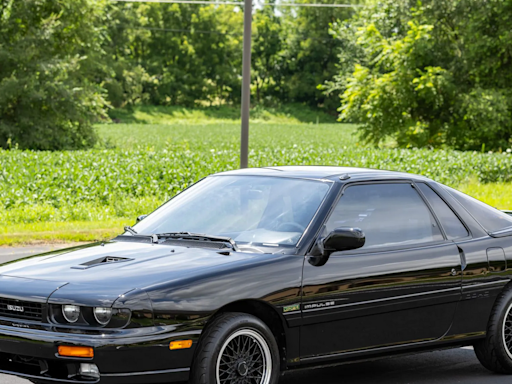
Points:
point(19, 309)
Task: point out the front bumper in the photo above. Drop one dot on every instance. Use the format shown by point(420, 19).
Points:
point(140, 355)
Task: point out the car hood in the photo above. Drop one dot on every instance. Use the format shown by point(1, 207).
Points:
point(108, 270)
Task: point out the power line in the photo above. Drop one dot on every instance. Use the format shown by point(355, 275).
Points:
point(246, 59)
point(205, 2)
point(312, 5)
point(199, 2)
point(199, 31)
point(188, 31)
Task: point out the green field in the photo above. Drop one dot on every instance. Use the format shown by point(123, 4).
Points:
point(150, 154)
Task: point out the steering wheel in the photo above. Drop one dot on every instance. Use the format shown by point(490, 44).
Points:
point(275, 222)
point(277, 226)
point(293, 224)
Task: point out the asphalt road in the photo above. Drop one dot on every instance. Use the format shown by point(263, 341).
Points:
point(441, 367)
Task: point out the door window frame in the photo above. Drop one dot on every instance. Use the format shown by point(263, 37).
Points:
point(392, 247)
point(469, 236)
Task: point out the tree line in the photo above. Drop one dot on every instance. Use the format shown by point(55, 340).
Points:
point(63, 62)
point(431, 73)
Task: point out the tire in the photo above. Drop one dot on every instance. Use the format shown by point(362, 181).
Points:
point(495, 351)
point(217, 361)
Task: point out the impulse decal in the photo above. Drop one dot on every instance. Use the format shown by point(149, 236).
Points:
point(319, 305)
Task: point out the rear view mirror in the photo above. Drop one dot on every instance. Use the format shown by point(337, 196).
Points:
point(343, 239)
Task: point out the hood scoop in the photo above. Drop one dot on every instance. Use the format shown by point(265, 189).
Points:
point(101, 261)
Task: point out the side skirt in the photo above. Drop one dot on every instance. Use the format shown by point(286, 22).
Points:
point(386, 352)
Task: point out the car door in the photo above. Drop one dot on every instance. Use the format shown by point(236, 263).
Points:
point(401, 287)
point(484, 256)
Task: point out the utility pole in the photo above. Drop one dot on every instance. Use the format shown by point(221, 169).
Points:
point(246, 85)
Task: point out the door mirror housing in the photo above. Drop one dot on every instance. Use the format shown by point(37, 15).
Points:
point(343, 239)
point(340, 239)
point(141, 217)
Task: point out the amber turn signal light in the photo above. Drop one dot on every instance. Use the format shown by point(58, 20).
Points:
point(181, 344)
point(75, 351)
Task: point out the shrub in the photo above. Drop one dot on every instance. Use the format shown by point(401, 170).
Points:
point(48, 52)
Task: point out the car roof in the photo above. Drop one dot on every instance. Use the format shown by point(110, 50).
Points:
point(324, 172)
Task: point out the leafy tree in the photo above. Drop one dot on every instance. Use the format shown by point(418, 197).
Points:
point(174, 54)
point(268, 49)
point(125, 77)
point(49, 50)
point(311, 53)
point(435, 73)
point(187, 54)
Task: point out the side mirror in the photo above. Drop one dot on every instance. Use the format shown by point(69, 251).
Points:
point(340, 239)
point(141, 217)
point(343, 239)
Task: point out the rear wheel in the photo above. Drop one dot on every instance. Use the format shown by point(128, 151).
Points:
point(236, 348)
point(495, 351)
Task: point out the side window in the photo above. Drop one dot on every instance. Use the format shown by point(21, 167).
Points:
point(452, 225)
point(388, 214)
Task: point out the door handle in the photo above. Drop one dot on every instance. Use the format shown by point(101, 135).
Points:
point(463, 262)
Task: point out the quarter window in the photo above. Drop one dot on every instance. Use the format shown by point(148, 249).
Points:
point(388, 214)
point(490, 218)
point(452, 225)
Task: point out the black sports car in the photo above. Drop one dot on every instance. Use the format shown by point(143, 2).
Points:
point(250, 273)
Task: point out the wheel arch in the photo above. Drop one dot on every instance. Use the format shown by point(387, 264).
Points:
point(266, 313)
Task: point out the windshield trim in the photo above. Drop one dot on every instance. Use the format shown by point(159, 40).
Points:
point(278, 176)
point(320, 206)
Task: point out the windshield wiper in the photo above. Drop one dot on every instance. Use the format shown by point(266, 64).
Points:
point(131, 230)
point(198, 237)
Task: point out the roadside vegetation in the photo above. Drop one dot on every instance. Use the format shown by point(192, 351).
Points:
point(108, 109)
point(152, 153)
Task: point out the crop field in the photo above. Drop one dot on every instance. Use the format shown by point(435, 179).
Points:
point(151, 154)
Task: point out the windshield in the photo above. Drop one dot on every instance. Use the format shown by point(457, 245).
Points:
point(259, 211)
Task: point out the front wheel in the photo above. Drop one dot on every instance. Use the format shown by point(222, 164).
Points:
point(495, 351)
point(236, 348)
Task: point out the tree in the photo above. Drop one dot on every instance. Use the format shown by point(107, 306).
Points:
point(173, 54)
point(125, 76)
point(49, 51)
point(180, 54)
point(311, 53)
point(268, 50)
point(436, 73)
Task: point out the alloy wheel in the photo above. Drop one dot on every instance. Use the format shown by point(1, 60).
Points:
point(244, 358)
point(507, 331)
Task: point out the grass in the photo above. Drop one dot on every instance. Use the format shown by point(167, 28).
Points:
point(60, 232)
point(498, 195)
point(291, 113)
point(151, 153)
point(217, 128)
point(218, 136)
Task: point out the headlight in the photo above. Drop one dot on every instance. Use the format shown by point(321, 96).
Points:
point(102, 315)
point(71, 313)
